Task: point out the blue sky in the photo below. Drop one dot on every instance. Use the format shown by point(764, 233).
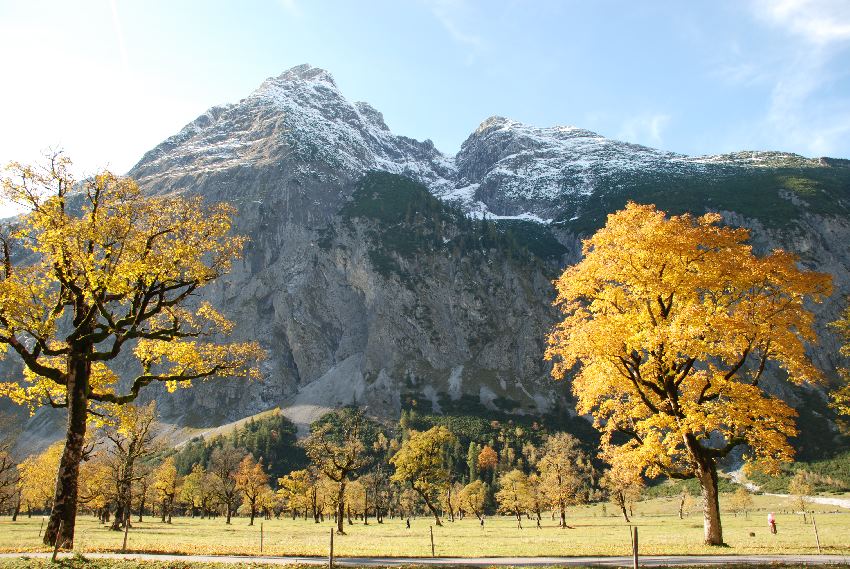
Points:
point(108, 79)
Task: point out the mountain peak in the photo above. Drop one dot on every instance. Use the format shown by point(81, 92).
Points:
point(306, 72)
point(494, 121)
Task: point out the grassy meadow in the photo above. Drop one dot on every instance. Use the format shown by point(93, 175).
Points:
point(594, 533)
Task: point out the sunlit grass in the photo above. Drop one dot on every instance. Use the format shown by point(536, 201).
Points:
point(661, 532)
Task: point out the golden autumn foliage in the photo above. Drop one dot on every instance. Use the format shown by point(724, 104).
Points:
point(253, 482)
point(841, 396)
point(565, 473)
point(38, 473)
point(166, 487)
point(513, 494)
point(299, 490)
point(421, 464)
point(623, 486)
point(94, 269)
point(9, 477)
point(473, 497)
point(670, 323)
point(122, 264)
point(487, 458)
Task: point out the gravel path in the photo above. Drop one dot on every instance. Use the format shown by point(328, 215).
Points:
point(646, 561)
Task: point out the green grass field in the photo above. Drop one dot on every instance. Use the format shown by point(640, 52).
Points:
point(661, 532)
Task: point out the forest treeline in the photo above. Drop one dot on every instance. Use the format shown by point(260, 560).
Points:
point(349, 467)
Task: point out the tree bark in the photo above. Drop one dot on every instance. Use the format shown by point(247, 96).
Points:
point(340, 507)
point(707, 476)
point(16, 512)
point(64, 509)
point(621, 501)
point(431, 507)
point(122, 510)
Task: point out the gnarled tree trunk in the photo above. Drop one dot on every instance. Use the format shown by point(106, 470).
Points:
point(431, 506)
point(340, 507)
point(710, 504)
point(64, 510)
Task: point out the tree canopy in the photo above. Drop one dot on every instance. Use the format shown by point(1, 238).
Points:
point(94, 269)
point(671, 322)
point(421, 463)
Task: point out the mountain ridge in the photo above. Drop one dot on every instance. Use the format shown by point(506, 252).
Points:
point(383, 272)
point(504, 168)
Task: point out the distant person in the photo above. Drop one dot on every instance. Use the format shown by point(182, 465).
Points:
point(408, 523)
point(771, 522)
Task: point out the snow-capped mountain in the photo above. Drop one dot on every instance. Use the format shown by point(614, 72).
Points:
point(510, 168)
point(298, 123)
point(364, 287)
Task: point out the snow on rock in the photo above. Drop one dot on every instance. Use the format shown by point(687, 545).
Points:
point(302, 120)
point(301, 124)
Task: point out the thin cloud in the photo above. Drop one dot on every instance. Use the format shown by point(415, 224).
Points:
point(819, 33)
point(119, 34)
point(450, 15)
point(739, 73)
point(644, 129)
point(818, 21)
point(291, 6)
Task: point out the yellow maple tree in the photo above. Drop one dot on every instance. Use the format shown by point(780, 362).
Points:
point(421, 464)
point(841, 396)
point(670, 323)
point(37, 473)
point(252, 481)
point(94, 269)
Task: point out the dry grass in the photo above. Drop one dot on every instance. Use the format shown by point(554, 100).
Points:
point(661, 532)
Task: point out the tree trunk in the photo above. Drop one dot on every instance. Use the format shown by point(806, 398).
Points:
point(122, 510)
point(17, 509)
point(621, 501)
point(253, 513)
point(563, 516)
point(118, 520)
point(227, 508)
point(64, 509)
point(710, 503)
point(340, 507)
point(430, 507)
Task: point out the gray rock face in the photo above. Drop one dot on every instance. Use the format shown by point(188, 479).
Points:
point(384, 310)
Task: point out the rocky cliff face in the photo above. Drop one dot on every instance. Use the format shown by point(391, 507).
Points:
point(364, 287)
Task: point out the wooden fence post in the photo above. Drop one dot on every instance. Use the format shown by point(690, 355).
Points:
point(261, 537)
point(331, 551)
point(126, 531)
point(56, 544)
point(815, 525)
point(635, 549)
point(431, 529)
